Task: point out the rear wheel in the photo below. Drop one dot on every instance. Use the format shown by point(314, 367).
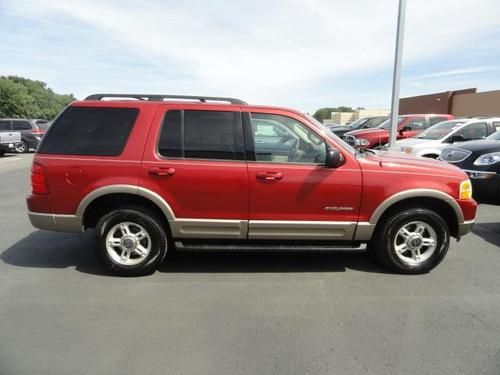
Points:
point(412, 241)
point(131, 241)
point(2, 153)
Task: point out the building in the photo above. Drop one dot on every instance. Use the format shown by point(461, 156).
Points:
point(343, 118)
point(459, 103)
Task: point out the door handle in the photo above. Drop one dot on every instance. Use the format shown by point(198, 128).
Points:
point(270, 175)
point(157, 171)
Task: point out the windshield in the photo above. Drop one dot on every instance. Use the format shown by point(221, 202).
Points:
point(440, 130)
point(325, 131)
point(494, 137)
point(387, 123)
point(358, 123)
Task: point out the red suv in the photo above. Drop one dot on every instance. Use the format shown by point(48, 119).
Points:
point(408, 126)
point(150, 173)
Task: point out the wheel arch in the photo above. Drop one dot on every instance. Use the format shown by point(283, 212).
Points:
point(437, 200)
point(102, 200)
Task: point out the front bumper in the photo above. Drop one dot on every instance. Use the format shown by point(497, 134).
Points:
point(485, 184)
point(465, 228)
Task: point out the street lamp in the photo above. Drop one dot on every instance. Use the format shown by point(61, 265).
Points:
point(397, 73)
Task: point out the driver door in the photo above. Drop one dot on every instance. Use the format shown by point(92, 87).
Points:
point(297, 196)
point(413, 127)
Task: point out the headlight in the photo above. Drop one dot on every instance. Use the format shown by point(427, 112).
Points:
point(465, 190)
point(488, 159)
point(362, 142)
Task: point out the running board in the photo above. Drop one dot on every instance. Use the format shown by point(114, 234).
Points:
point(267, 247)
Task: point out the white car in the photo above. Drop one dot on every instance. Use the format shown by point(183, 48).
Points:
point(432, 141)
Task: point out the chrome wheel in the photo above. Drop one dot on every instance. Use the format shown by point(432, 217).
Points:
point(415, 242)
point(128, 243)
point(22, 148)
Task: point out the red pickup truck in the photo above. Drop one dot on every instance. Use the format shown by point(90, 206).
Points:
point(150, 173)
point(408, 126)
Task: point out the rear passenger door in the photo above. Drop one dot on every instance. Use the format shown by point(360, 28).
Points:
point(195, 160)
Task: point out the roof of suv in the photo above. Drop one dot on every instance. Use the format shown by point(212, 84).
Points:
point(154, 99)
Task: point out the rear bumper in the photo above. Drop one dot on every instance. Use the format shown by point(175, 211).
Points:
point(8, 146)
point(58, 223)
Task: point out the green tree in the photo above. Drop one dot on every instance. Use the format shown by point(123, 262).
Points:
point(22, 97)
point(326, 113)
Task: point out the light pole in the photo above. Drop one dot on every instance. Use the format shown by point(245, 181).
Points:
point(398, 55)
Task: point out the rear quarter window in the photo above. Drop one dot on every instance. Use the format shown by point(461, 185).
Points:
point(94, 131)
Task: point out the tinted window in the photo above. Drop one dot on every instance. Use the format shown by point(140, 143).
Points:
point(4, 125)
point(440, 130)
point(202, 135)
point(170, 143)
point(90, 131)
point(44, 125)
point(436, 119)
point(477, 130)
point(292, 142)
point(21, 125)
point(416, 123)
point(375, 121)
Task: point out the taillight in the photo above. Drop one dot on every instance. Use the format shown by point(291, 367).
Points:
point(38, 180)
point(38, 132)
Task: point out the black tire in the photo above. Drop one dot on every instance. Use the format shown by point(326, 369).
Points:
point(23, 149)
point(385, 235)
point(2, 153)
point(158, 235)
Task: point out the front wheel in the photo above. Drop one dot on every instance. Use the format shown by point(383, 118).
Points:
point(22, 148)
point(130, 241)
point(412, 241)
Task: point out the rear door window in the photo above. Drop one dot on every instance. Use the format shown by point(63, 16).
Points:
point(477, 130)
point(202, 135)
point(4, 125)
point(96, 131)
point(21, 125)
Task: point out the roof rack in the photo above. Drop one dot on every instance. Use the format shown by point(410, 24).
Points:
point(157, 98)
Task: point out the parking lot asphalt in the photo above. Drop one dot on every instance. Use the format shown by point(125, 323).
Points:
point(60, 313)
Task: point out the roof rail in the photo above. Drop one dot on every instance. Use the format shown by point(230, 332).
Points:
point(149, 97)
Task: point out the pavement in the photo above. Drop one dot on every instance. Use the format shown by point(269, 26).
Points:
point(61, 313)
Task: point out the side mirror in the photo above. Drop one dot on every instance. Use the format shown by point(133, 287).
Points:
point(456, 138)
point(334, 158)
point(405, 128)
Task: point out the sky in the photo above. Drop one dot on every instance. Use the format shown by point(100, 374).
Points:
point(302, 54)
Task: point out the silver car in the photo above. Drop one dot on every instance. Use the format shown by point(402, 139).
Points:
point(432, 141)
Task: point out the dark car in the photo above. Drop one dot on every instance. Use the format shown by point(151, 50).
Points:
point(362, 123)
point(32, 131)
point(481, 161)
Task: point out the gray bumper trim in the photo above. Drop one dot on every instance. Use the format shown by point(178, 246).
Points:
point(465, 227)
point(59, 223)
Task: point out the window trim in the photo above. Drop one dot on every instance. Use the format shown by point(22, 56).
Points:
point(183, 158)
point(250, 146)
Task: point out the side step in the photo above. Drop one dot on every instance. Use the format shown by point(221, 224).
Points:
point(198, 246)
